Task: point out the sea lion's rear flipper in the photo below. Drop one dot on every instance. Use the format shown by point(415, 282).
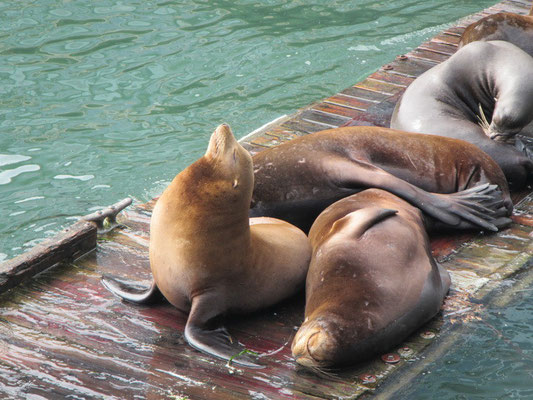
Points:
point(204, 334)
point(476, 207)
point(131, 294)
point(479, 205)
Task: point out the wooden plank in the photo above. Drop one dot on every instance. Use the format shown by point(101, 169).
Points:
point(91, 345)
point(361, 93)
point(266, 141)
point(447, 39)
point(394, 79)
point(410, 67)
point(428, 55)
point(298, 124)
point(69, 244)
point(380, 87)
point(437, 47)
point(524, 4)
point(342, 106)
point(455, 31)
point(516, 7)
point(377, 115)
point(327, 120)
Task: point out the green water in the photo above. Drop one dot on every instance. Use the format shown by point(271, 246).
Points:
point(103, 100)
point(493, 358)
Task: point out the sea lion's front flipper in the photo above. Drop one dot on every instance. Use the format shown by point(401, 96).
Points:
point(472, 208)
point(131, 294)
point(204, 333)
point(481, 201)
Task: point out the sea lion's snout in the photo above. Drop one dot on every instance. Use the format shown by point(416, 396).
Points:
point(222, 140)
point(502, 136)
point(224, 130)
point(313, 346)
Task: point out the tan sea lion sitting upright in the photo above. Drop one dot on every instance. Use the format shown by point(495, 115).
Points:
point(208, 258)
point(372, 280)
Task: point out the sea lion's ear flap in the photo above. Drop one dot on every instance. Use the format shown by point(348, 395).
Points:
point(358, 222)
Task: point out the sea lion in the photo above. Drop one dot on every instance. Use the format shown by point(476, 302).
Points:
point(483, 79)
point(510, 27)
point(372, 280)
point(296, 180)
point(208, 258)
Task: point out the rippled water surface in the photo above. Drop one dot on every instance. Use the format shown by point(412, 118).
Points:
point(103, 100)
point(493, 359)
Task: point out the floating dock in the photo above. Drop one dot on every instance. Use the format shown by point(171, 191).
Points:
point(62, 334)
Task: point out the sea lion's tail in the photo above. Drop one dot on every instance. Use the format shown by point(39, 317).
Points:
point(132, 294)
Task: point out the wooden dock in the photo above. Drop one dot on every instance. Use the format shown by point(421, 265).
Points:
point(62, 333)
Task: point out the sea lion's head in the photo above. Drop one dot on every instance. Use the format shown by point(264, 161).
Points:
point(229, 167)
point(509, 118)
point(503, 130)
point(317, 344)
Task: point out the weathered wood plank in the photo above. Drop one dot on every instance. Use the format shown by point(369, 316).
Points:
point(455, 31)
point(342, 106)
point(395, 79)
point(326, 119)
point(69, 244)
point(380, 87)
point(350, 102)
point(428, 55)
point(437, 47)
point(410, 67)
point(451, 40)
point(360, 92)
point(298, 124)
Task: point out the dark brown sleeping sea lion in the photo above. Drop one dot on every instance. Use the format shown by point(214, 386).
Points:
point(514, 28)
point(495, 76)
point(372, 280)
point(296, 180)
point(208, 258)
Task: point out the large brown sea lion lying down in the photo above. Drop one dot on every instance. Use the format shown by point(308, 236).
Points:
point(296, 180)
point(495, 77)
point(372, 280)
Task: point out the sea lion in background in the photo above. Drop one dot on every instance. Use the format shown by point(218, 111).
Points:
point(296, 180)
point(509, 27)
point(496, 77)
point(208, 258)
point(372, 280)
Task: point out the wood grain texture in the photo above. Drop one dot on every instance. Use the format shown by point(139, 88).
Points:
point(69, 244)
